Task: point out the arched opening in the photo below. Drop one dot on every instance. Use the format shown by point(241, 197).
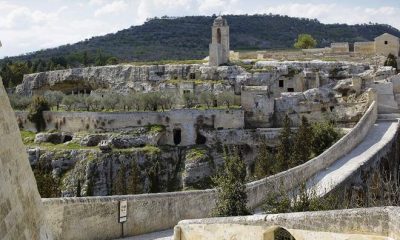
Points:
point(67, 138)
point(218, 35)
point(277, 233)
point(282, 234)
point(200, 139)
point(177, 136)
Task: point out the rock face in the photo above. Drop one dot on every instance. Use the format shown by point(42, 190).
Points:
point(55, 138)
point(120, 78)
point(21, 209)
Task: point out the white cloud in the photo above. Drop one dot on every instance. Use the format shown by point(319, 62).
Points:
point(114, 7)
point(96, 2)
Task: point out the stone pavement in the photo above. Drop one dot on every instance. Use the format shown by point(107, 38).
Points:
point(162, 235)
point(380, 135)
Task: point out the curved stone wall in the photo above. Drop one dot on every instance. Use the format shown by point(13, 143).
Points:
point(97, 217)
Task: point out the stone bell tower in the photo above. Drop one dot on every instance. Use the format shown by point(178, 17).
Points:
point(219, 47)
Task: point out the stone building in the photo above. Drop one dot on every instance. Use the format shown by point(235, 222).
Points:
point(219, 47)
point(387, 44)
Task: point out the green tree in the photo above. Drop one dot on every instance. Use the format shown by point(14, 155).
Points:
point(302, 143)
point(391, 61)
point(264, 164)
point(231, 188)
point(36, 109)
point(285, 147)
point(325, 135)
point(207, 98)
point(54, 98)
point(189, 99)
point(226, 98)
point(305, 41)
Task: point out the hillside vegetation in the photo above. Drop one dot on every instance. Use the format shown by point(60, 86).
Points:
point(185, 38)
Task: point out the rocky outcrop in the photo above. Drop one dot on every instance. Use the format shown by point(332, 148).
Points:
point(121, 78)
point(54, 137)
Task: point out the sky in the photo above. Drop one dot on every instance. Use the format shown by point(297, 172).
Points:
point(31, 25)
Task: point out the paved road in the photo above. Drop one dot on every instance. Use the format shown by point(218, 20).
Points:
point(163, 235)
point(377, 138)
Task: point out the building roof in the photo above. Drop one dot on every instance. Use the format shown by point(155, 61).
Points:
point(386, 35)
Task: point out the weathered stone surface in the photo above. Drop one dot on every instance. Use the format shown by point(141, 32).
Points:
point(55, 137)
point(22, 214)
point(121, 78)
point(93, 140)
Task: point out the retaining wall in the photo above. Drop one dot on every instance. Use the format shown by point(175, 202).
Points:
point(187, 120)
point(79, 218)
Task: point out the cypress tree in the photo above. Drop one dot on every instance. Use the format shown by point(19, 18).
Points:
point(264, 164)
point(285, 146)
point(302, 143)
point(231, 189)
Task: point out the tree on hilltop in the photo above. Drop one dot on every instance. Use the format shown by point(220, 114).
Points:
point(305, 41)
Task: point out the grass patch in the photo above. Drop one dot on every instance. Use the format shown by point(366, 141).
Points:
point(195, 81)
point(148, 149)
point(164, 62)
point(156, 128)
point(28, 137)
point(196, 154)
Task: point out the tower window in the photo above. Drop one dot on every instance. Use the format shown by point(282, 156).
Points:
point(280, 83)
point(218, 35)
point(386, 42)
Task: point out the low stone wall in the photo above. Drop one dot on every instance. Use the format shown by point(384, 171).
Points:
point(259, 190)
point(97, 217)
point(184, 119)
point(372, 222)
point(79, 218)
point(364, 48)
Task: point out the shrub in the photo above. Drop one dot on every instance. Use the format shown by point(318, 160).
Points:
point(325, 135)
point(285, 147)
point(305, 41)
point(36, 109)
point(391, 61)
point(19, 102)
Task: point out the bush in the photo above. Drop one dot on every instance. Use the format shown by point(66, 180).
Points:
point(19, 102)
point(325, 135)
point(36, 109)
point(189, 99)
point(305, 41)
point(391, 61)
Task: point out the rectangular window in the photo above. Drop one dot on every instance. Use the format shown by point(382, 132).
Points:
point(281, 83)
point(290, 89)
